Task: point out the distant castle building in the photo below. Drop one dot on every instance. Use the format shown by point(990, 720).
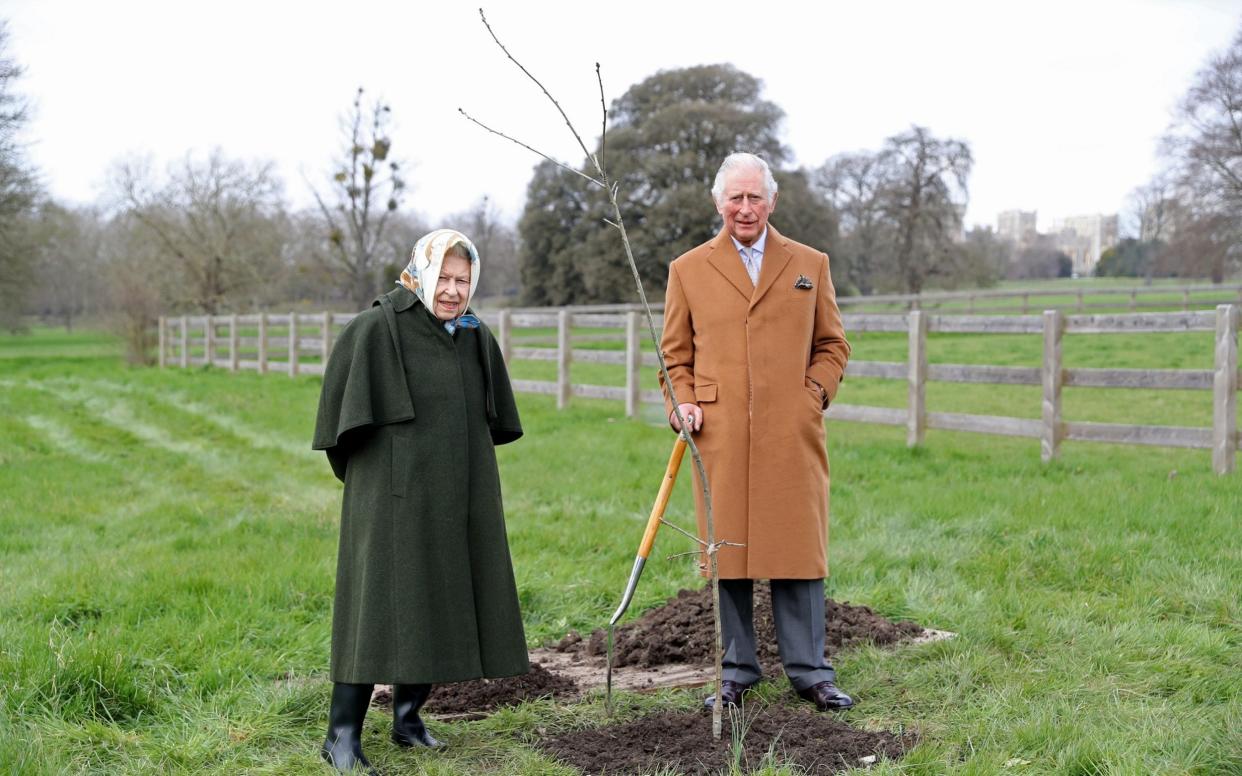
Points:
point(1017, 226)
point(1084, 238)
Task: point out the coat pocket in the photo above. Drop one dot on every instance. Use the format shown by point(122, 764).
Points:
point(706, 392)
point(403, 450)
point(817, 399)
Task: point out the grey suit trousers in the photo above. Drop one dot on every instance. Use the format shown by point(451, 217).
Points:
point(798, 611)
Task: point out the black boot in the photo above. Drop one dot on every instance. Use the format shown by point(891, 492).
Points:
point(343, 747)
point(407, 727)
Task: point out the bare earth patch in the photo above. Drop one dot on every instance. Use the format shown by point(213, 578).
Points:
point(680, 633)
point(670, 646)
point(682, 741)
point(479, 697)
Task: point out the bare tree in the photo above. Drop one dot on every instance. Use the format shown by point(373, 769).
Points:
point(497, 243)
point(901, 212)
point(1153, 207)
point(1205, 140)
point(219, 226)
point(1204, 147)
point(67, 247)
point(1205, 242)
point(18, 194)
point(852, 183)
point(366, 189)
point(133, 287)
point(925, 196)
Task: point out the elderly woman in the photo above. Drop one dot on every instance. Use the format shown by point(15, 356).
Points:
point(415, 397)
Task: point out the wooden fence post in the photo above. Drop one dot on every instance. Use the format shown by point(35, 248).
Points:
point(234, 354)
point(1185, 300)
point(325, 342)
point(1053, 374)
point(1133, 300)
point(293, 344)
point(163, 341)
point(185, 341)
point(209, 340)
point(916, 421)
point(262, 343)
point(503, 337)
point(1026, 303)
point(1080, 300)
point(633, 365)
point(563, 357)
point(1225, 391)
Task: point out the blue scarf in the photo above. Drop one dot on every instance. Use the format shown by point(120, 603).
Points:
point(466, 321)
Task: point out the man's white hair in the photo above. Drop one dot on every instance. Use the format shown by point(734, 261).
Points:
point(740, 161)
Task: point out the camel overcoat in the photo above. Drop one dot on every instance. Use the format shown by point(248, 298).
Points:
point(747, 355)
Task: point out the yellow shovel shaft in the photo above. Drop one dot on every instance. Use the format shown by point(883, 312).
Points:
point(666, 489)
point(653, 525)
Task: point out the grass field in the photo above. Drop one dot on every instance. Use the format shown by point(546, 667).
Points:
point(167, 543)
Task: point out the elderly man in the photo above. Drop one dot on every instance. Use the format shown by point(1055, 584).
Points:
point(755, 351)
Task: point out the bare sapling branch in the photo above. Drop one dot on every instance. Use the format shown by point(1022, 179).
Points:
point(546, 93)
point(707, 548)
point(557, 162)
point(603, 130)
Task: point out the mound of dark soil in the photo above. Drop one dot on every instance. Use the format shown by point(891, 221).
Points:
point(818, 743)
point(485, 695)
point(681, 631)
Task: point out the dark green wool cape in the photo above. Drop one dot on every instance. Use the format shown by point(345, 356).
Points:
point(409, 417)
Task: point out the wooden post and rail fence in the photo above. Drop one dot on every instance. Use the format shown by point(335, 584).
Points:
point(251, 342)
point(1078, 299)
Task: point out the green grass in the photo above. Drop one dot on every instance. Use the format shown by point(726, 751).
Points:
point(167, 545)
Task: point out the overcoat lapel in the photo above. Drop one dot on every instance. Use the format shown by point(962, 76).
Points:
point(776, 255)
point(724, 257)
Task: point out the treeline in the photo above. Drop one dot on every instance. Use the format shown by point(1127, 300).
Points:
point(215, 234)
point(892, 219)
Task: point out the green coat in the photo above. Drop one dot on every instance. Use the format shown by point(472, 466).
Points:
point(409, 417)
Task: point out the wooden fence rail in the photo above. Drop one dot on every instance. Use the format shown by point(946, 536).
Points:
point(307, 341)
point(1076, 299)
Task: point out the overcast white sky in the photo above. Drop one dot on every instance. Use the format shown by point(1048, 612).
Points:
point(1061, 101)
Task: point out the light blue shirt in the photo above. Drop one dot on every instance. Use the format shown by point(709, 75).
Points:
point(752, 257)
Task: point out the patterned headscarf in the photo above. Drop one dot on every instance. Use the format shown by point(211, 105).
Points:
point(423, 271)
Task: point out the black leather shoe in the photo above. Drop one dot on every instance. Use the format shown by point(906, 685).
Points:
point(407, 727)
point(826, 697)
point(342, 749)
point(730, 693)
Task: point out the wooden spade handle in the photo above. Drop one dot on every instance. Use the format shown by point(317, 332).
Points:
point(666, 489)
